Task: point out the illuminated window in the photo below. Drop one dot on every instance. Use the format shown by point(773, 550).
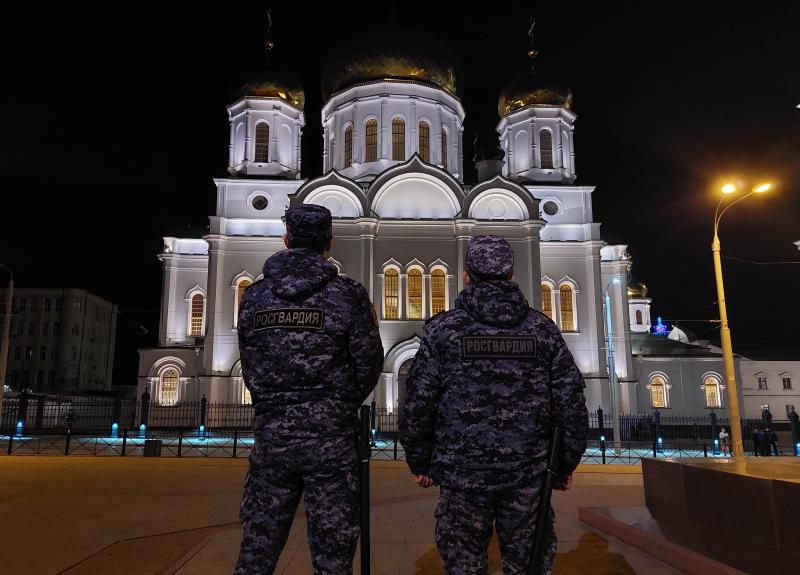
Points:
point(371, 141)
point(398, 139)
point(424, 141)
point(196, 322)
point(348, 147)
point(444, 148)
point(639, 317)
point(438, 295)
point(762, 382)
point(546, 148)
point(169, 388)
point(547, 300)
point(414, 294)
point(658, 391)
point(390, 294)
point(240, 287)
point(713, 397)
point(567, 308)
point(262, 143)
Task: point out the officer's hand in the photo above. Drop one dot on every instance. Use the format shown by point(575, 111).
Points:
point(564, 485)
point(423, 480)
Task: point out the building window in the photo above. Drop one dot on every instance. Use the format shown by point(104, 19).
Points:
point(45, 328)
point(76, 328)
point(547, 300)
point(73, 353)
point(639, 319)
point(53, 352)
point(22, 303)
point(42, 352)
point(398, 139)
point(196, 322)
point(31, 328)
point(787, 383)
point(444, 148)
point(76, 305)
point(546, 149)
point(169, 388)
point(47, 304)
point(658, 391)
point(713, 397)
point(240, 287)
point(762, 382)
point(348, 147)
point(390, 294)
point(567, 308)
point(425, 141)
point(414, 294)
point(17, 352)
point(39, 378)
point(58, 304)
point(56, 328)
point(262, 143)
point(371, 141)
point(51, 379)
point(438, 292)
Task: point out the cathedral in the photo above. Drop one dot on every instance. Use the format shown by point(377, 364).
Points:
point(393, 178)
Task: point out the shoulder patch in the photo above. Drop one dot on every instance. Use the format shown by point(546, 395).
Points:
point(519, 347)
point(289, 318)
point(374, 314)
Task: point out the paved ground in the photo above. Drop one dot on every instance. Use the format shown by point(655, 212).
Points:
point(82, 515)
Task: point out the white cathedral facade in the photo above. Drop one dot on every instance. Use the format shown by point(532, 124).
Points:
point(394, 181)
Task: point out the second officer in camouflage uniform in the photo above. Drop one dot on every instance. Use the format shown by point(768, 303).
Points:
point(311, 354)
point(490, 380)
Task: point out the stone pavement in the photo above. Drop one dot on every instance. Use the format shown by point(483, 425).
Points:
point(90, 515)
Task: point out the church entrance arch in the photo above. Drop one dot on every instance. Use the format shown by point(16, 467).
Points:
point(402, 377)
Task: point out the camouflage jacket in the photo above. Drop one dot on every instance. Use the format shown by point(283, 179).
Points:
point(310, 348)
point(489, 381)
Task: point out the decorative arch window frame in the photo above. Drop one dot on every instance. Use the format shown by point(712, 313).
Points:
point(667, 386)
point(261, 122)
point(157, 372)
point(428, 123)
point(541, 147)
point(242, 393)
point(237, 280)
point(364, 149)
point(338, 265)
point(347, 126)
point(444, 142)
point(196, 290)
point(573, 285)
point(437, 266)
point(546, 281)
point(404, 157)
point(391, 265)
point(712, 375)
point(415, 265)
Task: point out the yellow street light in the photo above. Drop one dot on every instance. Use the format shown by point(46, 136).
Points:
point(725, 332)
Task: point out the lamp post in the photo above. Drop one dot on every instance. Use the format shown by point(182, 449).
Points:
point(725, 332)
point(6, 330)
point(612, 373)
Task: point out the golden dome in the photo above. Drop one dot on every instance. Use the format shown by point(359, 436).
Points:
point(526, 91)
point(285, 87)
point(637, 289)
point(392, 54)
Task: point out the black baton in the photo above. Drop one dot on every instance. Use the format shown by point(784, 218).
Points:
point(551, 477)
point(365, 449)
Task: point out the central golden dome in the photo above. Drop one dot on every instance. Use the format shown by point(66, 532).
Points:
point(392, 54)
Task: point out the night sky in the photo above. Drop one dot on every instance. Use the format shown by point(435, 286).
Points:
point(114, 124)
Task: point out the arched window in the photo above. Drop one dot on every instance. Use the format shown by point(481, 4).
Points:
point(196, 323)
point(658, 391)
point(425, 141)
point(240, 287)
point(567, 308)
point(262, 143)
point(547, 300)
point(546, 149)
point(371, 141)
point(639, 319)
point(713, 396)
point(169, 387)
point(444, 148)
point(390, 294)
point(348, 147)
point(438, 295)
point(398, 139)
point(414, 294)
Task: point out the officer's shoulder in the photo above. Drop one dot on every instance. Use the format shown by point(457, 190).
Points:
point(541, 320)
point(443, 318)
point(253, 288)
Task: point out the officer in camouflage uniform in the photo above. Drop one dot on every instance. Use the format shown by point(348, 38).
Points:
point(311, 354)
point(491, 379)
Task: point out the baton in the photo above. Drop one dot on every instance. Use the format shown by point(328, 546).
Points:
point(550, 478)
point(365, 448)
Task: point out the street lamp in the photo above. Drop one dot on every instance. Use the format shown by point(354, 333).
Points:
point(612, 373)
point(725, 332)
point(6, 330)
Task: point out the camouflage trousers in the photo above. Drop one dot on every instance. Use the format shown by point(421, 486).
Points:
point(325, 473)
point(464, 521)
